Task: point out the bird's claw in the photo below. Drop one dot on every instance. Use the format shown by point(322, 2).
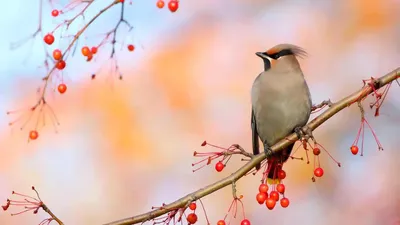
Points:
point(267, 150)
point(304, 133)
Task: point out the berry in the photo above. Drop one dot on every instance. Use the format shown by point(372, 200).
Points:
point(270, 203)
point(285, 202)
point(193, 206)
point(261, 197)
point(160, 4)
point(221, 222)
point(49, 39)
point(280, 188)
point(33, 135)
point(192, 218)
point(89, 57)
point(319, 172)
point(219, 166)
point(263, 188)
point(173, 5)
point(94, 50)
point(85, 51)
point(281, 174)
point(354, 149)
point(131, 48)
point(57, 55)
point(62, 88)
point(274, 195)
point(245, 222)
point(60, 64)
point(55, 12)
point(316, 151)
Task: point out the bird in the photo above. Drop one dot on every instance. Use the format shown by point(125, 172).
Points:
point(281, 102)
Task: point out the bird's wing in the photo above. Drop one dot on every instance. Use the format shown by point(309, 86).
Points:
point(256, 145)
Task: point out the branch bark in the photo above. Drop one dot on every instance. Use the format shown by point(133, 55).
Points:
point(315, 123)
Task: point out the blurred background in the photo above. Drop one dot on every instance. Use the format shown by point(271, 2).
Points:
point(125, 146)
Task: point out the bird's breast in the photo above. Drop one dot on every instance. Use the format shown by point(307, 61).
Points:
point(280, 104)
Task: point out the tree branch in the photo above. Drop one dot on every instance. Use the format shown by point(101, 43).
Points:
point(315, 123)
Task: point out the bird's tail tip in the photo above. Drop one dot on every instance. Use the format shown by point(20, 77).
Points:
point(273, 181)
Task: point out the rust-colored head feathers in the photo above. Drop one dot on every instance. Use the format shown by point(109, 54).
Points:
point(282, 50)
point(282, 57)
point(293, 49)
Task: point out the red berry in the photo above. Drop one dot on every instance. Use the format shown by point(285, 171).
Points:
point(192, 218)
point(94, 50)
point(85, 51)
point(60, 64)
point(261, 197)
point(89, 57)
point(316, 151)
point(280, 188)
point(285, 202)
point(33, 135)
point(55, 12)
point(49, 39)
point(354, 149)
point(219, 166)
point(274, 195)
point(193, 206)
point(221, 222)
point(173, 5)
point(270, 203)
point(263, 188)
point(131, 48)
point(281, 174)
point(121, 1)
point(245, 222)
point(319, 172)
point(160, 4)
point(62, 88)
point(57, 55)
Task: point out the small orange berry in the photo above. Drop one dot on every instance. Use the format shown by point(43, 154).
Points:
point(33, 135)
point(57, 55)
point(62, 88)
point(192, 218)
point(192, 206)
point(160, 4)
point(85, 51)
point(221, 222)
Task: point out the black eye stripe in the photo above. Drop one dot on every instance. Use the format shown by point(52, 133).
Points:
point(281, 53)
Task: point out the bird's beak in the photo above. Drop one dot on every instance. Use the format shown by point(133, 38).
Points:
point(260, 54)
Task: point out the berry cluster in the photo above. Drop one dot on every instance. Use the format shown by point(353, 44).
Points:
point(277, 187)
point(226, 154)
point(173, 5)
point(55, 62)
point(192, 217)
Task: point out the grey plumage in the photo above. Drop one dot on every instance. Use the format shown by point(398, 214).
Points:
point(280, 99)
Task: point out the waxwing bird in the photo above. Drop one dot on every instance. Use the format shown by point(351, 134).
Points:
point(281, 102)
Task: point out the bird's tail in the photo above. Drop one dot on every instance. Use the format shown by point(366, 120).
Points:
point(275, 164)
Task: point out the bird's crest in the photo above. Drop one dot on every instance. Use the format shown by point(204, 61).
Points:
point(288, 49)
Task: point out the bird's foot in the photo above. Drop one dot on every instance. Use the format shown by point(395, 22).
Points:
point(304, 133)
point(267, 150)
point(321, 105)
